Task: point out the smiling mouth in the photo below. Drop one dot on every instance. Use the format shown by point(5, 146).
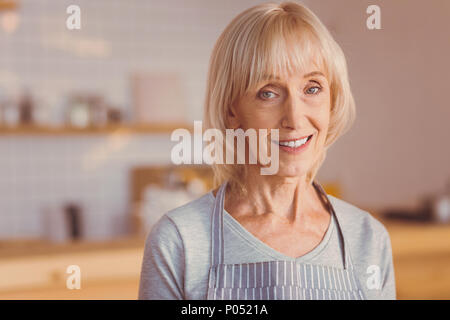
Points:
point(294, 143)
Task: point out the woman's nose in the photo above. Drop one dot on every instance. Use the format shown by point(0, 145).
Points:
point(293, 112)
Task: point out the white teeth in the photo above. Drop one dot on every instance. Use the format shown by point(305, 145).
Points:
point(294, 144)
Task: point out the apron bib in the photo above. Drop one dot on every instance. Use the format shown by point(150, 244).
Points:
point(277, 279)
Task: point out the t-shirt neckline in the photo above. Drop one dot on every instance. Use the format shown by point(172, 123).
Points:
point(262, 246)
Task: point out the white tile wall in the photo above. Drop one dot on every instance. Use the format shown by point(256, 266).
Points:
point(41, 172)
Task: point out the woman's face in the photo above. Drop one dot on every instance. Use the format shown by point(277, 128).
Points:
point(299, 106)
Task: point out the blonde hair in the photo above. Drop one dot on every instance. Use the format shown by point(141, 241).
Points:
point(255, 44)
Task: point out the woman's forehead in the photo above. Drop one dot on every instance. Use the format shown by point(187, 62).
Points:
point(310, 70)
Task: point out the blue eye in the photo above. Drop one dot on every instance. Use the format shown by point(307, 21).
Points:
point(266, 94)
point(316, 92)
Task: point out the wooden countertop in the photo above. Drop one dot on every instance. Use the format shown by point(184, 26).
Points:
point(36, 247)
point(419, 238)
point(407, 238)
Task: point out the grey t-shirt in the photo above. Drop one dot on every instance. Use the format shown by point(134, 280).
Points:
point(177, 253)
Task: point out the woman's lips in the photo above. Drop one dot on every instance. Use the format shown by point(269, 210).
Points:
point(295, 146)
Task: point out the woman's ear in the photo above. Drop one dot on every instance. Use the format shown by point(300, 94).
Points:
point(232, 118)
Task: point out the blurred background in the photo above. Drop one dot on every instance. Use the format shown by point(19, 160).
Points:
point(86, 117)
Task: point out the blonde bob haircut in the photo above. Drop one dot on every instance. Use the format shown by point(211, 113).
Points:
point(274, 39)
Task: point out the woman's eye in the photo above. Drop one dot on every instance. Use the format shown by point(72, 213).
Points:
point(267, 94)
point(310, 91)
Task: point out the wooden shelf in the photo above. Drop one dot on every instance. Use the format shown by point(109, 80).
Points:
point(109, 129)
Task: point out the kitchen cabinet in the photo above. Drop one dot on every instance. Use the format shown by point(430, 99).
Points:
point(421, 255)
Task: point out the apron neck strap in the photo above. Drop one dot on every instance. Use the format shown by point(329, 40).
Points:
point(324, 197)
point(217, 242)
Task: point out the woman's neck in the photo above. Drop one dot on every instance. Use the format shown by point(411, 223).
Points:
point(289, 198)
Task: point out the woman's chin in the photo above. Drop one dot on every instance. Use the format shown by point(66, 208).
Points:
point(291, 172)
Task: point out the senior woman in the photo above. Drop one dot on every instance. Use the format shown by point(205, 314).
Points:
point(279, 236)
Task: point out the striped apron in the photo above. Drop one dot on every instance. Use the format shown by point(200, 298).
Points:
point(277, 279)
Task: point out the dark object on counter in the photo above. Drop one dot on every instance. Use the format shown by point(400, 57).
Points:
point(434, 208)
point(26, 107)
point(73, 214)
point(423, 214)
point(398, 214)
point(114, 115)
